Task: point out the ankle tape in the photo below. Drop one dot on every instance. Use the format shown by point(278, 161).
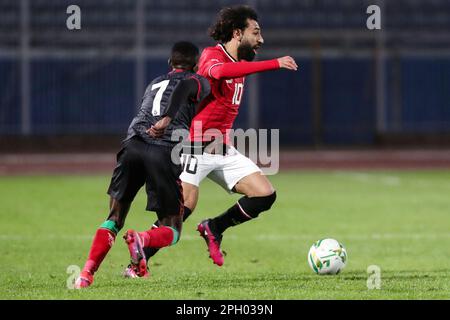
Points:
point(176, 236)
point(110, 225)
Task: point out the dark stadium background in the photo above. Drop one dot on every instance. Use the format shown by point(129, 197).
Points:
point(365, 150)
point(77, 90)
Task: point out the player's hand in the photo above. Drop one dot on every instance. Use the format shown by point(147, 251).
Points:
point(287, 63)
point(157, 130)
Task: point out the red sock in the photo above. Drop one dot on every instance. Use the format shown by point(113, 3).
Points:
point(103, 241)
point(159, 237)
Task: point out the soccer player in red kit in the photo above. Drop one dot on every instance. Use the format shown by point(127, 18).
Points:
point(225, 66)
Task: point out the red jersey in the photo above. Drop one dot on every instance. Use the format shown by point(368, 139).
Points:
point(226, 77)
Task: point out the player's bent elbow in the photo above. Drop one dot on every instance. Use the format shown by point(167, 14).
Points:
point(216, 75)
point(217, 72)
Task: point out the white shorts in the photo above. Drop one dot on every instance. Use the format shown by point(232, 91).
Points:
point(225, 170)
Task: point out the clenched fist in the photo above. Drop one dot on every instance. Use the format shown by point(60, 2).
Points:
point(157, 130)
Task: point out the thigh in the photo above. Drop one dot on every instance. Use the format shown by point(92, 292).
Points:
point(233, 168)
point(254, 185)
point(129, 174)
point(163, 185)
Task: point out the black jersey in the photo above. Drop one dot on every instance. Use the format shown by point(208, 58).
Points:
point(155, 105)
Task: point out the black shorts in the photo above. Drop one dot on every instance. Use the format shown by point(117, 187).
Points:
point(140, 163)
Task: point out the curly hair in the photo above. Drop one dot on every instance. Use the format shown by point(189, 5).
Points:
point(229, 19)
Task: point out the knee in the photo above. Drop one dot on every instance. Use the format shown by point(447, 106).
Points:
point(268, 200)
point(255, 205)
point(263, 190)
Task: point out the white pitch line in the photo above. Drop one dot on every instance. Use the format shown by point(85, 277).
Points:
point(375, 236)
point(267, 237)
point(390, 180)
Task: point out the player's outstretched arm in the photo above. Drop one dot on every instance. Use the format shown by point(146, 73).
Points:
point(244, 68)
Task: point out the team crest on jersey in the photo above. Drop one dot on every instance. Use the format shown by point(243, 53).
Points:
point(229, 81)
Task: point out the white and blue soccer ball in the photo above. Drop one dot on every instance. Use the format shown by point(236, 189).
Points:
point(327, 256)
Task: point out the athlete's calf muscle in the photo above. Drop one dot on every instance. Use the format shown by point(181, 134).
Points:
point(190, 195)
point(118, 212)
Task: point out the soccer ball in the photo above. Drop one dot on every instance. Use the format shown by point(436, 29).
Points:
point(327, 256)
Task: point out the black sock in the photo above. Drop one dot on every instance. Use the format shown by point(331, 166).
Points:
point(150, 252)
point(245, 209)
point(232, 217)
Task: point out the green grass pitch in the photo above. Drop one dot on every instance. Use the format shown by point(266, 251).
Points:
point(397, 220)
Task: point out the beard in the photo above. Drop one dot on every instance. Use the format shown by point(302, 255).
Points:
point(245, 52)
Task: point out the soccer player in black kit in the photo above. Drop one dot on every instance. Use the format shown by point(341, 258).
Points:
point(169, 103)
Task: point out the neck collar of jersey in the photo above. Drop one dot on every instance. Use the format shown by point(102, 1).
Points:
point(177, 70)
point(226, 52)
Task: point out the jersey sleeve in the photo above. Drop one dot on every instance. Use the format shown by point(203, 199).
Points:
point(204, 88)
point(184, 90)
point(241, 69)
point(208, 60)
